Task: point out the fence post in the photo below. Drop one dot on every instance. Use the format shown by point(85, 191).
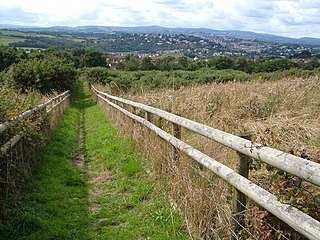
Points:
point(149, 116)
point(134, 111)
point(240, 201)
point(59, 107)
point(176, 130)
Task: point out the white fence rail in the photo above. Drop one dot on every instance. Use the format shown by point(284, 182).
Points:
point(302, 168)
point(305, 169)
point(58, 100)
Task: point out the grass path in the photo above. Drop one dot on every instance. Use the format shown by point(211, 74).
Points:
point(90, 184)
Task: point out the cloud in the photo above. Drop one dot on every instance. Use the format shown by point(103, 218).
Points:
point(15, 15)
point(295, 18)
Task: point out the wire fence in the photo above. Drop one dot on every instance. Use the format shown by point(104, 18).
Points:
point(20, 141)
point(205, 200)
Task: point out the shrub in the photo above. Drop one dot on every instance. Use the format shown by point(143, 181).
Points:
point(45, 75)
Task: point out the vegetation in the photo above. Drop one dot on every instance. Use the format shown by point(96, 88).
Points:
point(8, 57)
point(282, 114)
point(90, 184)
point(231, 94)
point(119, 81)
point(48, 71)
point(54, 69)
point(45, 75)
point(193, 45)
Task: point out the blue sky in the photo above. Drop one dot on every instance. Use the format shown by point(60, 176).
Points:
point(293, 18)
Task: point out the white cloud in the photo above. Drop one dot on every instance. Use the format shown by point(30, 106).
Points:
point(295, 18)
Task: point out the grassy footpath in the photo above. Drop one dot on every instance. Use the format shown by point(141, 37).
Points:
point(90, 184)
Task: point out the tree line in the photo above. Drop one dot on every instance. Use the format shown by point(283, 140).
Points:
point(47, 70)
point(55, 69)
point(247, 65)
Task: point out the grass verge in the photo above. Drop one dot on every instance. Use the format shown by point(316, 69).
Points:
point(108, 196)
point(125, 203)
point(54, 202)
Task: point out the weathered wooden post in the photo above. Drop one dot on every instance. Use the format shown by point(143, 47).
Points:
point(134, 111)
point(176, 130)
point(60, 110)
point(240, 201)
point(148, 116)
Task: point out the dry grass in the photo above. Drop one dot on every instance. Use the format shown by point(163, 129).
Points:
point(282, 114)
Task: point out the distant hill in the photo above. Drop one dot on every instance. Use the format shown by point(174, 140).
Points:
point(246, 35)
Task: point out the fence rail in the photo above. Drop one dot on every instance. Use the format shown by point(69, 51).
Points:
point(300, 167)
point(11, 123)
point(305, 169)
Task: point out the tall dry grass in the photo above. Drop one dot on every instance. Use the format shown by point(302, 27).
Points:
point(282, 114)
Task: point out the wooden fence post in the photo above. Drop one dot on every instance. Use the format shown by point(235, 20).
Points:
point(240, 201)
point(176, 130)
point(134, 111)
point(59, 107)
point(149, 117)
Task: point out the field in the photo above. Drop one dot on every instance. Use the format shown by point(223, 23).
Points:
point(23, 34)
point(9, 36)
point(6, 40)
point(282, 114)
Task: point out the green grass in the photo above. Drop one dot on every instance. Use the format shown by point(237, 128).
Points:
point(54, 203)
point(5, 40)
point(131, 205)
point(69, 37)
point(10, 36)
point(112, 197)
point(24, 34)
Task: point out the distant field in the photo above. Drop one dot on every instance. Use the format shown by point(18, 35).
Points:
point(31, 48)
point(69, 37)
point(8, 36)
point(175, 55)
point(23, 34)
point(5, 40)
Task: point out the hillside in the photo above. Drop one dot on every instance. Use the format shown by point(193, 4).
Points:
point(154, 40)
point(247, 35)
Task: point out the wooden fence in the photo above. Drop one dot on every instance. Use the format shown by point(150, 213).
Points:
point(16, 151)
point(302, 168)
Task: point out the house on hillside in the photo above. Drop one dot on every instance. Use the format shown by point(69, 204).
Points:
point(114, 60)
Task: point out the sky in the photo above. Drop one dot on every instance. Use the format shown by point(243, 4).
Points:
point(292, 18)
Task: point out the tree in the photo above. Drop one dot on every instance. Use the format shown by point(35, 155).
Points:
point(94, 58)
point(166, 63)
point(132, 62)
point(183, 62)
point(221, 62)
point(8, 56)
point(243, 64)
point(146, 64)
point(304, 54)
point(276, 65)
point(311, 64)
point(97, 75)
point(45, 75)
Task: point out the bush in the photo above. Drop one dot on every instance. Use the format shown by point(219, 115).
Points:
point(45, 75)
point(97, 75)
point(8, 56)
